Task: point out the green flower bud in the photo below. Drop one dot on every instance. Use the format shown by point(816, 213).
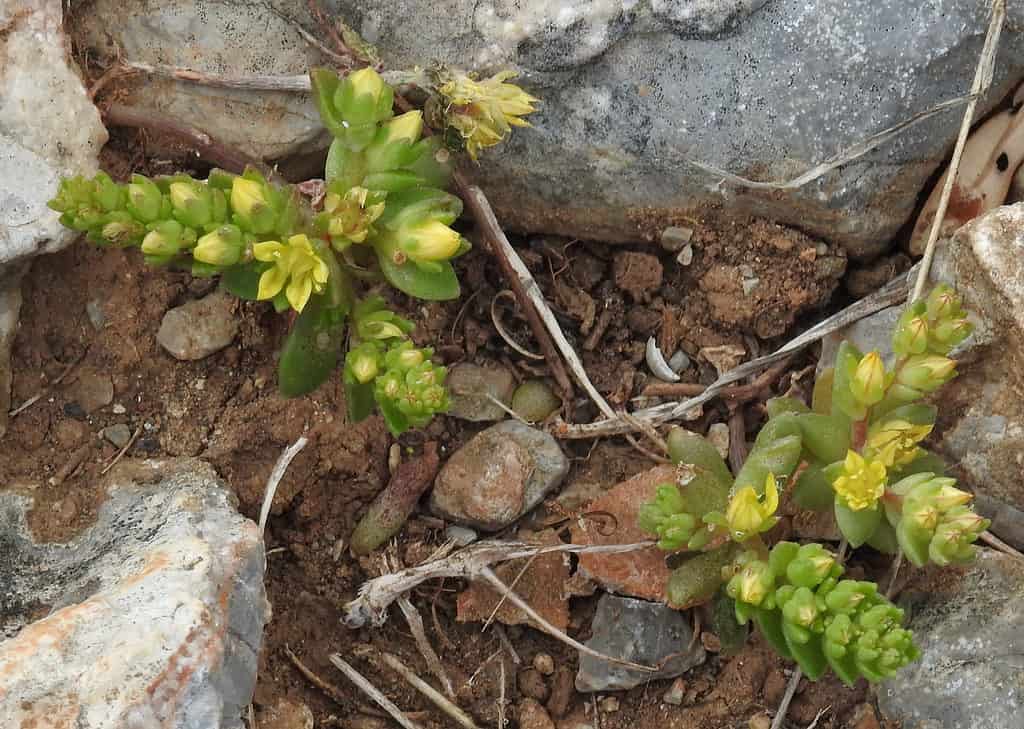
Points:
point(164, 240)
point(848, 595)
point(752, 584)
point(801, 609)
point(123, 230)
point(363, 362)
point(192, 203)
point(253, 205)
point(911, 336)
point(926, 372)
point(223, 247)
point(811, 566)
point(943, 304)
point(145, 201)
point(868, 381)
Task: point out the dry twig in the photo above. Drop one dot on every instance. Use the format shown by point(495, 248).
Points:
point(996, 543)
point(120, 453)
point(275, 478)
point(372, 691)
point(982, 80)
point(376, 595)
point(453, 711)
point(415, 621)
point(332, 691)
point(892, 293)
point(528, 294)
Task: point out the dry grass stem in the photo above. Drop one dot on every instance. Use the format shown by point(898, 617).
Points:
point(275, 478)
point(439, 700)
point(372, 691)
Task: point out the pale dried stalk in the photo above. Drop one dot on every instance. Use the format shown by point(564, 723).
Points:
point(996, 543)
point(982, 80)
point(457, 714)
point(275, 478)
point(372, 691)
point(415, 620)
point(892, 293)
point(376, 595)
point(488, 574)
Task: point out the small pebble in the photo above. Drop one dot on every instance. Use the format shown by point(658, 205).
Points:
point(674, 238)
point(118, 435)
point(462, 536)
point(534, 401)
point(118, 409)
point(679, 361)
point(675, 693)
point(749, 284)
point(532, 715)
point(199, 328)
point(94, 310)
point(609, 704)
point(531, 684)
point(544, 663)
point(685, 257)
point(760, 721)
point(562, 690)
point(718, 436)
point(711, 642)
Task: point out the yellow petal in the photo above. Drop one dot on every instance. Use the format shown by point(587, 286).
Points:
point(320, 272)
point(771, 496)
point(271, 283)
point(269, 250)
point(298, 292)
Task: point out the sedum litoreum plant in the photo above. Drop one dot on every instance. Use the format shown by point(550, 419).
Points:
point(384, 216)
point(857, 451)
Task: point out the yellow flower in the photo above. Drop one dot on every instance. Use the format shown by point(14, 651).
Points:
point(895, 442)
point(295, 263)
point(366, 81)
point(404, 128)
point(430, 240)
point(861, 483)
point(747, 514)
point(484, 112)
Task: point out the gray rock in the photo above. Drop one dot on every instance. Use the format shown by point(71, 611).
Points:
point(234, 38)
point(469, 386)
point(152, 617)
point(48, 128)
point(199, 328)
point(982, 411)
point(647, 633)
point(498, 476)
point(118, 434)
point(971, 672)
point(633, 94)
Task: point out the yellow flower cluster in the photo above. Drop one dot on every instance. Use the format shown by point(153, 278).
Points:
point(484, 112)
point(861, 483)
point(296, 264)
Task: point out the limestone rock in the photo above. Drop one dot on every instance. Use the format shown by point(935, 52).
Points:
point(151, 618)
point(199, 328)
point(971, 634)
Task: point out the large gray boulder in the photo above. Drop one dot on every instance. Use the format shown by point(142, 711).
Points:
point(152, 618)
point(971, 671)
point(632, 94)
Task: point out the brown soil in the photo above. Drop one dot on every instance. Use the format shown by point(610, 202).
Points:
point(225, 409)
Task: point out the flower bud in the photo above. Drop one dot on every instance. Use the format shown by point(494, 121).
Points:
point(192, 203)
point(752, 583)
point(122, 230)
point(430, 240)
point(811, 565)
point(943, 303)
point(801, 609)
point(363, 362)
point(911, 336)
point(251, 204)
point(367, 82)
point(144, 199)
point(404, 128)
point(165, 240)
point(222, 247)
point(926, 372)
point(947, 497)
point(868, 382)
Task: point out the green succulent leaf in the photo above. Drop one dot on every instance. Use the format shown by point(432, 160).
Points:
point(696, 580)
point(776, 406)
point(731, 633)
point(687, 447)
point(413, 280)
point(779, 458)
point(847, 358)
point(813, 490)
point(243, 281)
point(312, 349)
point(827, 437)
point(857, 526)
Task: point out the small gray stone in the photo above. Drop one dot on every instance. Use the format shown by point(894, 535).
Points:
point(498, 476)
point(153, 617)
point(92, 390)
point(94, 310)
point(199, 328)
point(118, 434)
point(647, 633)
point(971, 671)
point(469, 386)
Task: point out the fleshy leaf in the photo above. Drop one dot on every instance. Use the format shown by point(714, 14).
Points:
point(688, 447)
point(242, 281)
point(312, 349)
point(411, 279)
point(696, 580)
point(813, 491)
point(857, 526)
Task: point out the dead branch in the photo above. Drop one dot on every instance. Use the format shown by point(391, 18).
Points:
point(892, 293)
point(469, 563)
point(330, 689)
point(372, 691)
point(458, 715)
point(415, 621)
